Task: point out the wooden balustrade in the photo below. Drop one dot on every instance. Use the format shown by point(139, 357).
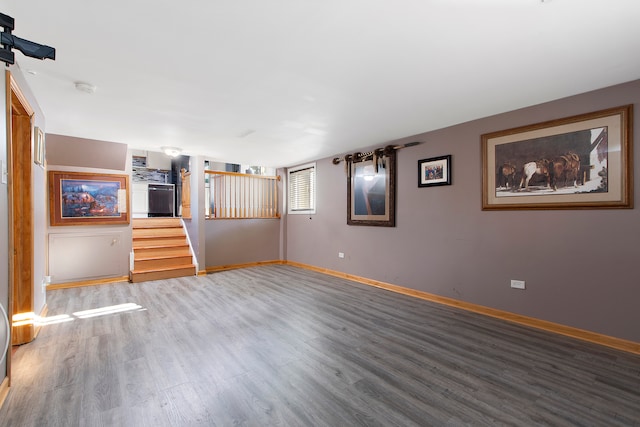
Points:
point(185, 197)
point(235, 195)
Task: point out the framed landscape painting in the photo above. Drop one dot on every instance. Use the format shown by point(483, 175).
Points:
point(77, 198)
point(579, 162)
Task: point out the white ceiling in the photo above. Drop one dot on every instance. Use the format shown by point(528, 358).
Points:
point(281, 82)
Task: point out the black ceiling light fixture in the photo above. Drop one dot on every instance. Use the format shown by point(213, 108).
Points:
point(29, 48)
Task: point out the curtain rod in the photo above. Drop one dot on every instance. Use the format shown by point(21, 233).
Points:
point(378, 152)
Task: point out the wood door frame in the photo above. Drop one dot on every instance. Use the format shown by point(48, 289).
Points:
point(20, 202)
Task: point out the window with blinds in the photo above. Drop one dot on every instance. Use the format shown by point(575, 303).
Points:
point(302, 189)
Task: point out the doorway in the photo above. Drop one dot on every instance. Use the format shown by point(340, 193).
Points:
point(20, 202)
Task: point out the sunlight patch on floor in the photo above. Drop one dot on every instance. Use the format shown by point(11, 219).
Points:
point(52, 320)
point(30, 318)
point(120, 308)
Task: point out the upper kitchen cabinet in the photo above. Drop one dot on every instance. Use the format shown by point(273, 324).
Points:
point(150, 160)
point(157, 160)
point(150, 166)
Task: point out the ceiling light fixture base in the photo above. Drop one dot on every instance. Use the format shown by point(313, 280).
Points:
point(172, 152)
point(85, 87)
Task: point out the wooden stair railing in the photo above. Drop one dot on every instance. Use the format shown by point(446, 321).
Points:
point(160, 250)
point(185, 193)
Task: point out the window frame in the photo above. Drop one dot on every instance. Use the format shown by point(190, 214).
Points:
point(314, 190)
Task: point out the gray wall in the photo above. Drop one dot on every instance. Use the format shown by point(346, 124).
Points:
point(241, 241)
point(74, 152)
point(581, 267)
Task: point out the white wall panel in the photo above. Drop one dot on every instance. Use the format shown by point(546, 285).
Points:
point(85, 256)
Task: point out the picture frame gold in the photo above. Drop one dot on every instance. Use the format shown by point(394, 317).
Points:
point(578, 162)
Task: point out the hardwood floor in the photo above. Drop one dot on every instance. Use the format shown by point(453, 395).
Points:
point(278, 345)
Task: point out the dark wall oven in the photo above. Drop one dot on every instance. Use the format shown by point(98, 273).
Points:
point(161, 200)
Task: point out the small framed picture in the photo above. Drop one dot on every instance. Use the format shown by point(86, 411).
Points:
point(38, 147)
point(434, 171)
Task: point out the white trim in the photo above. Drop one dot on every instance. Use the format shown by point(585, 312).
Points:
point(194, 259)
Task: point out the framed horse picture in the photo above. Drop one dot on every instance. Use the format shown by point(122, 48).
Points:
point(579, 162)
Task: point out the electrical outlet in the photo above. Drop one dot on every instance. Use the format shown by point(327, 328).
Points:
point(517, 284)
point(340, 254)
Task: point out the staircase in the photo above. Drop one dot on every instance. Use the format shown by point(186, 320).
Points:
point(160, 250)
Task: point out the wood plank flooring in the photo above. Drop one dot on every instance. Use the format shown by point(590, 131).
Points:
point(278, 345)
